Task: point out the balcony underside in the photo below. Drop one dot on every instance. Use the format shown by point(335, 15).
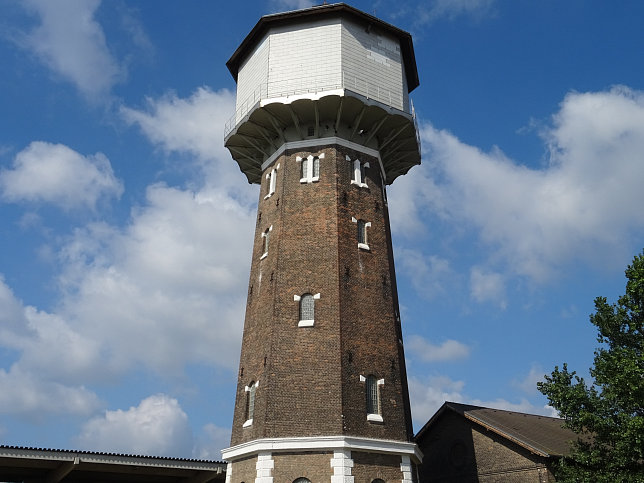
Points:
point(341, 113)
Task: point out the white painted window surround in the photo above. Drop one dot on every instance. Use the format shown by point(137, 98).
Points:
point(272, 181)
point(307, 308)
point(372, 392)
point(358, 176)
point(310, 168)
point(265, 239)
point(362, 233)
point(250, 403)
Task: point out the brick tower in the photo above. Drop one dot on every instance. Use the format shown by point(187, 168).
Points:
point(323, 124)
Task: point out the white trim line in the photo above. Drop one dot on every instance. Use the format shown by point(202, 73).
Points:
point(377, 418)
point(322, 443)
point(305, 143)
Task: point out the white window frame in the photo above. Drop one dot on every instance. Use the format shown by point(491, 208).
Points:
point(375, 417)
point(358, 176)
point(307, 168)
point(367, 224)
point(308, 322)
point(265, 243)
point(272, 181)
point(251, 409)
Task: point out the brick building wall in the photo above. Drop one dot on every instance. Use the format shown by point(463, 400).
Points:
point(460, 451)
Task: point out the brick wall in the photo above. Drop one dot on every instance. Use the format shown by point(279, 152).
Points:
point(314, 466)
point(456, 450)
point(370, 466)
point(309, 377)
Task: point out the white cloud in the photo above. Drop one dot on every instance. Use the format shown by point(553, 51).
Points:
point(195, 126)
point(72, 44)
point(538, 221)
point(33, 398)
point(168, 288)
point(211, 441)
point(427, 351)
point(157, 426)
point(157, 294)
point(285, 5)
point(428, 394)
point(529, 383)
point(431, 275)
point(428, 12)
point(487, 287)
point(56, 174)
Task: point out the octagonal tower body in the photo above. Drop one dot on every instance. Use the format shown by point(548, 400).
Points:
point(323, 123)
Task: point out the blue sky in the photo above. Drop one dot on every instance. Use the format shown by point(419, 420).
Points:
point(126, 227)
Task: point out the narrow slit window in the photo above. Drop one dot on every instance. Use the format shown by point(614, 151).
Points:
point(358, 173)
point(250, 402)
point(372, 392)
point(265, 241)
point(361, 236)
point(271, 178)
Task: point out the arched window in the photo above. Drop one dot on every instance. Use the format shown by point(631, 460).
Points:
point(306, 308)
point(378, 480)
point(302, 480)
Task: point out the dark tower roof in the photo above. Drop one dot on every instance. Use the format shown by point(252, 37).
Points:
point(315, 13)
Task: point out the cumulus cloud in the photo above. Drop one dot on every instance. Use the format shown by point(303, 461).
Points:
point(427, 351)
point(70, 42)
point(285, 5)
point(157, 294)
point(32, 397)
point(195, 125)
point(157, 426)
point(168, 288)
point(529, 383)
point(430, 275)
point(428, 394)
point(56, 174)
point(211, 441)
point(537, 221)
point(428, 12)
point(487, 287)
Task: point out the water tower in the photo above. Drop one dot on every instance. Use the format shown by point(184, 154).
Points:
point(323, 123)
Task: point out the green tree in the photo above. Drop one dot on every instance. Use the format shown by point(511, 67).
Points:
point(608, 414)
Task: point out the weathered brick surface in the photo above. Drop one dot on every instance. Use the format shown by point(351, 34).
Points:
point(370, 466)
point(457, 450)
point(309, 378)
point(244, 470)
point(312, 465)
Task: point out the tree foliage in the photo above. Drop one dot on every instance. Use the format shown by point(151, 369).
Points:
point(607, 414)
